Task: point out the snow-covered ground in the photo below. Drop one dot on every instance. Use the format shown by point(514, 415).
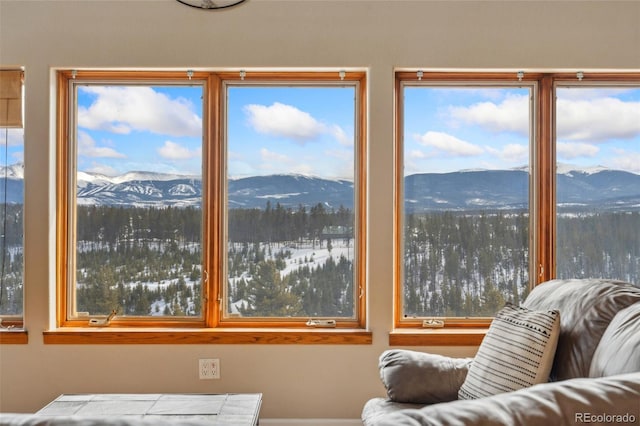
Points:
point(301, 254)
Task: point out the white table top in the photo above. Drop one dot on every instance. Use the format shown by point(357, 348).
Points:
point(237, 409)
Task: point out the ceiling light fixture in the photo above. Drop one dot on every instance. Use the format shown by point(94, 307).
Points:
point(211, 4)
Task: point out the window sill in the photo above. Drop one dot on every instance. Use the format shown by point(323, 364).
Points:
point(437, 337)
point(14, 337)
point(119, 336)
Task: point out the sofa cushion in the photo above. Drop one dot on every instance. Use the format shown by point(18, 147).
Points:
point(586, 307)
point(600, 401)
point(517, 352)
point(619, 349)
point(376, 408)
point(422, 378)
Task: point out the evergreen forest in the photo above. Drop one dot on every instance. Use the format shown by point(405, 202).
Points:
point(147, 261)
point(298, 262)
point(469, 265)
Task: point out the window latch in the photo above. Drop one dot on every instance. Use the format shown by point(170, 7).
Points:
point(9, 327)
point(321, 323)
point(105, 322)
point(432, 323)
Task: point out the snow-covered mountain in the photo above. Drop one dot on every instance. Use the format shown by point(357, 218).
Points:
point(14, 171)
point(154, 189)
point(139, 189)
point(578, 190)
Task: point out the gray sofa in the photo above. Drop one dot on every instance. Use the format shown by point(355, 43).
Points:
point(595, 377)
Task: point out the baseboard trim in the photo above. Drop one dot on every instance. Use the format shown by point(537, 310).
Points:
point(310, 422)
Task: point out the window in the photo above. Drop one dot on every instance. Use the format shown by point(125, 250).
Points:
point(211, 200)
point(598, 180)
point(293, 239)
point(465, 197)
point(133, 205)
point(11, 204)
point(484, 209)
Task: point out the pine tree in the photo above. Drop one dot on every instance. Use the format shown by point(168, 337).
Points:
point(269, 294)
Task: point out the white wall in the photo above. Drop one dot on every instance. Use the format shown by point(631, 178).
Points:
point(297, 381)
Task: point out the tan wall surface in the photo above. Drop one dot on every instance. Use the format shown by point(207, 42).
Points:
point(297, 381)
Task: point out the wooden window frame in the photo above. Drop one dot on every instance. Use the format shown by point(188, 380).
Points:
point(542, 207)
point(12, 329)
point(356, 79)
point(440, 79)
point(210, 328)
point(65, 273)
point(577, 80)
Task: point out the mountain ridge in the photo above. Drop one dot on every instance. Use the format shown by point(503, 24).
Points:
point(465, 190)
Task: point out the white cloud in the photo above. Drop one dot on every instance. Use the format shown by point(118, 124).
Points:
point(571, 150)
point(173, 151)
point(590, 93)
point(234, 155)
point(18, 156)
point(289, 122)
point(340, 164)
point(284, 121)
point(280, 163)
point(416, 154)
point(626, 160)
point(304, 169)
point(515, 152)
point(511, 152)
point(340, 135)
point(450, 144)
point(511, 115)
point(87, 148)
point(274, 162)
point(15, 137)
point(597, 120)
point(137, 108)
point(274, 157)
point(344, 155)
point(102, 169)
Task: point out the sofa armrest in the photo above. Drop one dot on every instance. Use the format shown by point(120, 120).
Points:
point(421, 378)
point(601, 401)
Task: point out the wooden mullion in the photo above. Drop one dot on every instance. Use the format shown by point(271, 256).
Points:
point(545, 191)
point(212, 203)
point(360, 282)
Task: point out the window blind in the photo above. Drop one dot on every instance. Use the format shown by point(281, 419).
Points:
point(10, 98)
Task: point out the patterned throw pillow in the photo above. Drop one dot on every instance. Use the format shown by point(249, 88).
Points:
point(517, 352)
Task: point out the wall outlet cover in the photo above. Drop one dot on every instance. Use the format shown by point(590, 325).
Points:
point(209, 368)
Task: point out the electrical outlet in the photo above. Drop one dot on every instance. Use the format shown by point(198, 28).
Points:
point(209, 368)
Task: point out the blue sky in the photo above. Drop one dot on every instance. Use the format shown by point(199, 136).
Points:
point(310, 130)
point(136, 128)
point(448, 129)
point(306, 130)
